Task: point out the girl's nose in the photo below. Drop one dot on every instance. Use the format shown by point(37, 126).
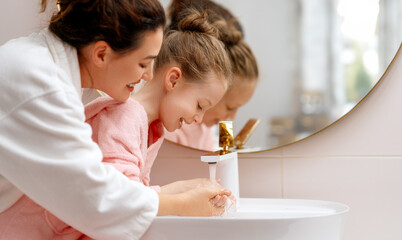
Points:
point(198, 117)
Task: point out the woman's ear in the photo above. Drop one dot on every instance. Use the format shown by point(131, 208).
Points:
point(172, 78)
point(101, 52)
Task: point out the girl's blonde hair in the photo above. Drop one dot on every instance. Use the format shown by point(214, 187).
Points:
point(244, 63)
point(196, 48)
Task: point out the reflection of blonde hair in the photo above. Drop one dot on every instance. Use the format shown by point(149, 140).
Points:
point(195, 47)
point(244, 63)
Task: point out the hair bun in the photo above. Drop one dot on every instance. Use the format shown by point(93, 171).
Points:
point(194, 21)
point(228, 33)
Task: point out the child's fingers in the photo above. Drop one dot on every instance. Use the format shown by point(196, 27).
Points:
point(215, 199)
point(216, 191)
point(219, 200)
point(227, 192)
point(222, 201)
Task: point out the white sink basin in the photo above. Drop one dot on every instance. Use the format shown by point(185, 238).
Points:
point(258, 218)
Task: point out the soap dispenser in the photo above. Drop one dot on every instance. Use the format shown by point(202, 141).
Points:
point(224, 162)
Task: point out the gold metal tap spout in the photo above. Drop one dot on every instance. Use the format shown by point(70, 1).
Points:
point(225, 136)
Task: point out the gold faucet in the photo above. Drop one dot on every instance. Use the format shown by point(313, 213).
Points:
point(225, 136)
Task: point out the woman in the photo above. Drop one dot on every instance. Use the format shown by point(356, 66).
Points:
point(47, 153)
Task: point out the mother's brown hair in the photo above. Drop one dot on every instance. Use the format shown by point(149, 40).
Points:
point(120, 23)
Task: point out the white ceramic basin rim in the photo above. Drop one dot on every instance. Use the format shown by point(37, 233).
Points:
point(261, 208)
point(258, 219)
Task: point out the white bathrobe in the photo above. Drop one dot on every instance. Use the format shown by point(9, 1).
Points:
point(46, 150)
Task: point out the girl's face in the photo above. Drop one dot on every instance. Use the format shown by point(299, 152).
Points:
point(239, 94)
point(187, 102)
point(122, 72)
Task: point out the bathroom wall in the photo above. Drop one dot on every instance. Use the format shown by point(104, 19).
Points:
point(22, 17)
point(356, 161)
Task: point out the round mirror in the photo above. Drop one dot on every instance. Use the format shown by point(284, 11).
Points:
point(317, 60)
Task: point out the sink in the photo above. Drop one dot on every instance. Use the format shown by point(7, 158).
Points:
point(258, 218)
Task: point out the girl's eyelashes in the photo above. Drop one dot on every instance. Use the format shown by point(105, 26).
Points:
point(199, 107)
point(143, 65)
point(229, 108)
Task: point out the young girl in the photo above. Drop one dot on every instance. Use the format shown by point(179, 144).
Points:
point(245, 72)
point(191, 74)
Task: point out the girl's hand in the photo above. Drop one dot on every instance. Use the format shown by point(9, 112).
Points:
point(198, 202)
point(194, 202)
point(223, 200)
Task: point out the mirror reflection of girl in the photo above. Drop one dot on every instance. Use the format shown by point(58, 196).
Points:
point(49, 162)
point(245, 73)
point(191, 74)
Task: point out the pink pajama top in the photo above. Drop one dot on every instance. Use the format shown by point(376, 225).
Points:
point(122, 132)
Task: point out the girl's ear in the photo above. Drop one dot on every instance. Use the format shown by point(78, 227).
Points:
point(172, 78)
point(101, 52)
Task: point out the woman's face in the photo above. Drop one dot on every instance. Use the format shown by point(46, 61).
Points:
point(189, 101)
point(122, 72)
point(239, 94)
